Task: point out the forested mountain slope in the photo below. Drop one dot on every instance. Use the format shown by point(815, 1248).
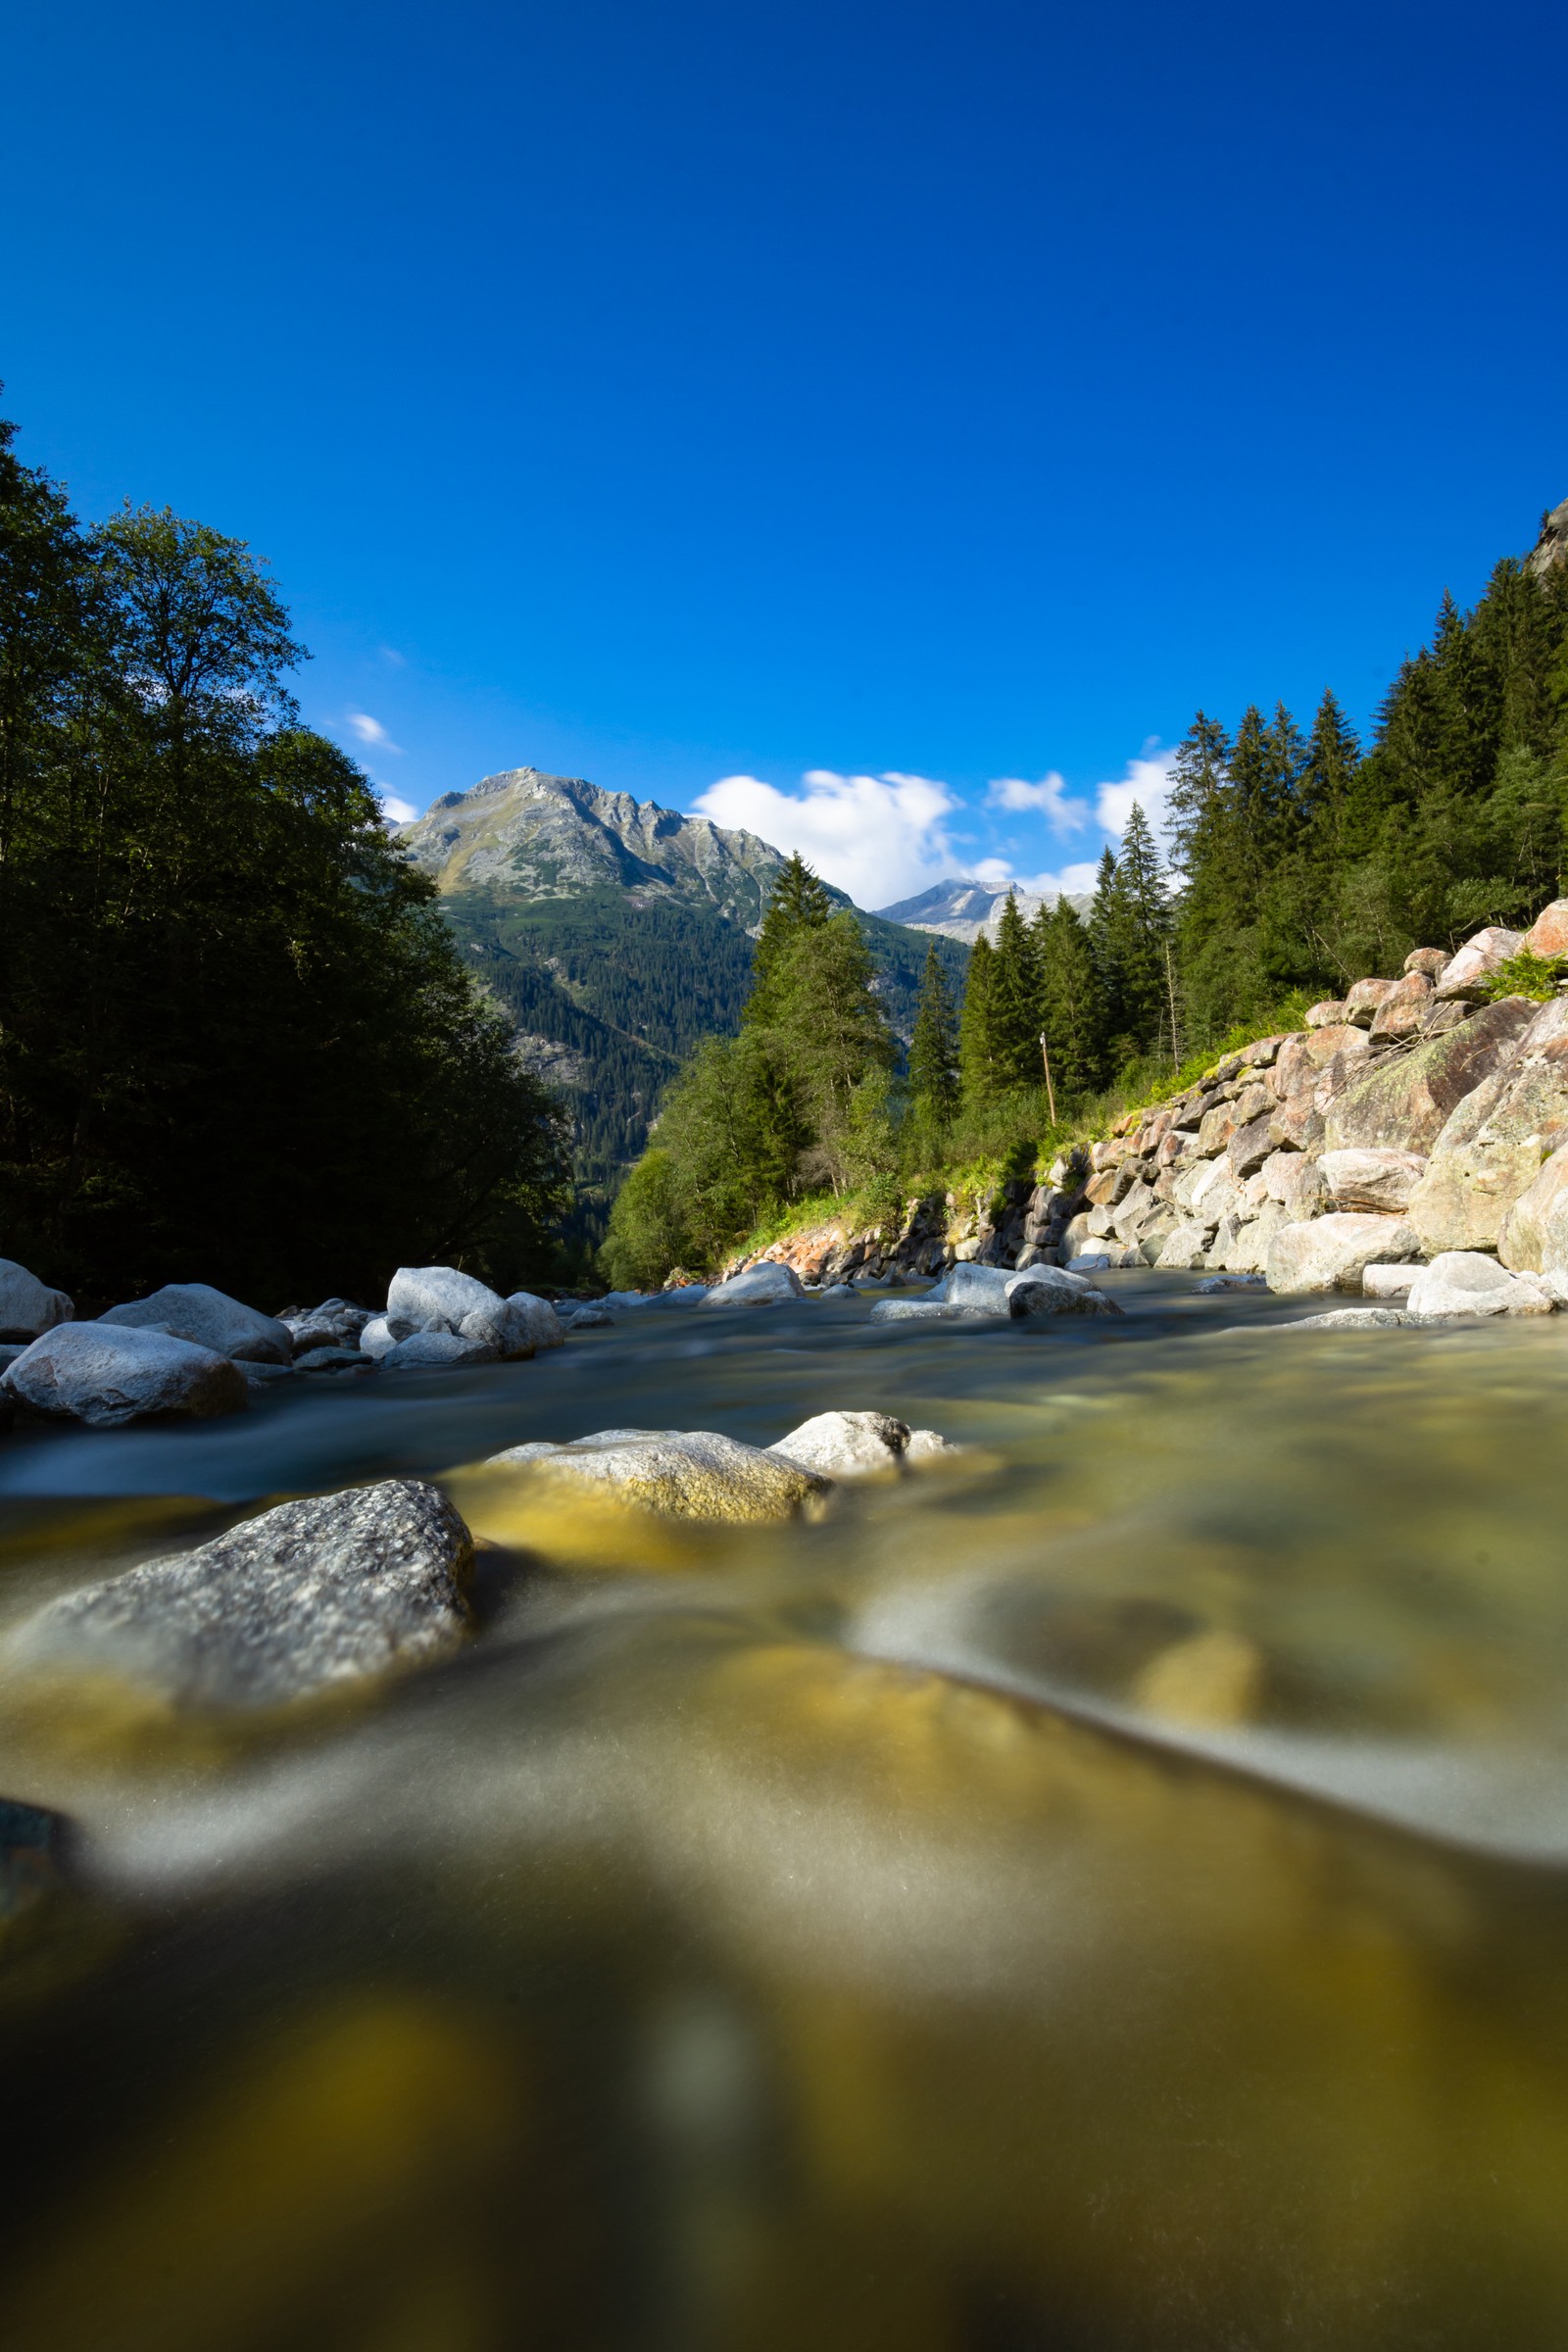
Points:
point(616, 934)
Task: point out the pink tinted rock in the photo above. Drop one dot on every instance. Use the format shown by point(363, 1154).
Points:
point(1466, 974)
point(1547, 935)
point(1427, 961)
point(1327, 1014)
point(1362, 1002)
point(1402, 1009)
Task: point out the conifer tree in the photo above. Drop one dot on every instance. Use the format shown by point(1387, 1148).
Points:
point(1072, 1014)
point(799, 902)
point(1130, 927)
point(1015, 1002)
point(934, 1047)
point(1327, 776)
point(976, 1059)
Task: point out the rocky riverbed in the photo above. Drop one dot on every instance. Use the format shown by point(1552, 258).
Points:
point(1016, 1825)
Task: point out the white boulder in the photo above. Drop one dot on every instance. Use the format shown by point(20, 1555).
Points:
point(846, 1444)
point(537, 1319)
point(1333, 1253)
point(1465, 975)
point(683, 1474)
point(1461, 1281)
point(438, 1298)
point(208, 1318)
point(981, 1289)
point(1051, 1291)
point(105, 1375)
point(439, 1352)
point(1373, 1180)
point(27, 1306)
point(1388, 1282)
point(768, 1284)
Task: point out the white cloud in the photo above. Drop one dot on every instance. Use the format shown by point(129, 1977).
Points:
point(1148, 781)
point(1050, 797)
point(396, 812)
point(370, 730)
point(880, 838)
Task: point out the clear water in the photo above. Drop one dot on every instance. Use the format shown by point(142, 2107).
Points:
point(1111, 1896)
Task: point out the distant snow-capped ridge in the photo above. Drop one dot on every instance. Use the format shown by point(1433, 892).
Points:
point(961, 909)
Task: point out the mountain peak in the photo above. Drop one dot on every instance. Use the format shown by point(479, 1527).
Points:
point(537, 835)
point(1552, 548)
point(961, 909)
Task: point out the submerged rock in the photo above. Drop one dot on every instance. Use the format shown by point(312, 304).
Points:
point(1461, 1281)
point(1354, 1318)
point(931, 1311)
point(765, 1285)
point(27, 1306)
point(846, 1444)
point(439, 1352)
point(208, 1318)
point(306, 1597)
point(1051, 1291)
point(586, 1319)
point(980, 1288)
point(685, 1474)
point(105, 1375)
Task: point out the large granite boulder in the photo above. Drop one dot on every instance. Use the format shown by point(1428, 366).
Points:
point(1185, 1249)
point(1365, 1000)
point(1402, 1011)
point(437, 1352)
point(311, 1597)
point(1303, 1060)
point(1547, 935)
point(106, 1375)
point(208, 1318)
point(1376, 1180)
point(1491, 1147)
point(846, 1444)
point(1052, 1291)
point(767, 1284)
point(27, 1306)
point(1403, 1103)
point(440, 1298)
point(1430, 962)
point(1331, 1252)
point(983, 1289)
point(1465, 976)
point(1295, 1180)
point(540, 1322)
point(1242, 1245)
point(1532, 1237)
point(1462, 1282)
point(682, 1474)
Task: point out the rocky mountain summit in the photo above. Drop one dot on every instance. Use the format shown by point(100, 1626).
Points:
point(1552, 548)
point(960, 909)
point(557, 837)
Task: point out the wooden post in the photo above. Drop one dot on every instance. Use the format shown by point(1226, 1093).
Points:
point(1050, 1092)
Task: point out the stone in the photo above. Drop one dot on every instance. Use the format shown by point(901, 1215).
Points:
point(1333, 1253)
point(936, 1310)
point(1366, 999)
point(1427, 961)
point(538, 1319)
point(1185, 1248)
point(1051, 1291)
point(1353, 1318)
point(1403, 1103)
point(682, 1474)
point(1326, 1015)
point(1462, 1282)
point(979, 1287)
point(1251, 1145)
point(1295, 1180)
point(29, 1308)
point(594, 1317)
point(208, 1318)
point(1212, 1283)
point(1388, 1282)
point(1303, 1060)
point(320, 1359)
point(333, 1324)
point(375, 1340)
point(1534, 1233)
point(846, 1444)
point(1249, 1239)
point(1211, 1681)
point(927, 1445)
point(1547, 935)
point(106, 1375)
point(1465, 975)
point(1298, 1125)
point(1375, 1180)
point(1402, 1010)
point(1491, 1147)
point(308, 1598)
point(1263, 1051)
point(440, 1299)
point(1215, 1132)
point(1438, 1018)
point(767, 1284)
point(439, 1352)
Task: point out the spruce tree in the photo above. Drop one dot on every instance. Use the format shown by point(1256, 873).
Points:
point(976, 1059)
point(934, 1047)
point(799, 902)
point(1072, 1013)
point(1015, 1002)
point(1130, 926)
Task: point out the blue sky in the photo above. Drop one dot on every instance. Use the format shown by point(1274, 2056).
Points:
point(878, 424)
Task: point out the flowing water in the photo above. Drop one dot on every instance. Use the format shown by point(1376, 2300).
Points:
point(1111, 1896)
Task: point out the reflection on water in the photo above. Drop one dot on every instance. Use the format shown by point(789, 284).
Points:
point(1109, 1895)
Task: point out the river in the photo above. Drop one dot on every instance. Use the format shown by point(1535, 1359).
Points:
point(1107, 1895)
